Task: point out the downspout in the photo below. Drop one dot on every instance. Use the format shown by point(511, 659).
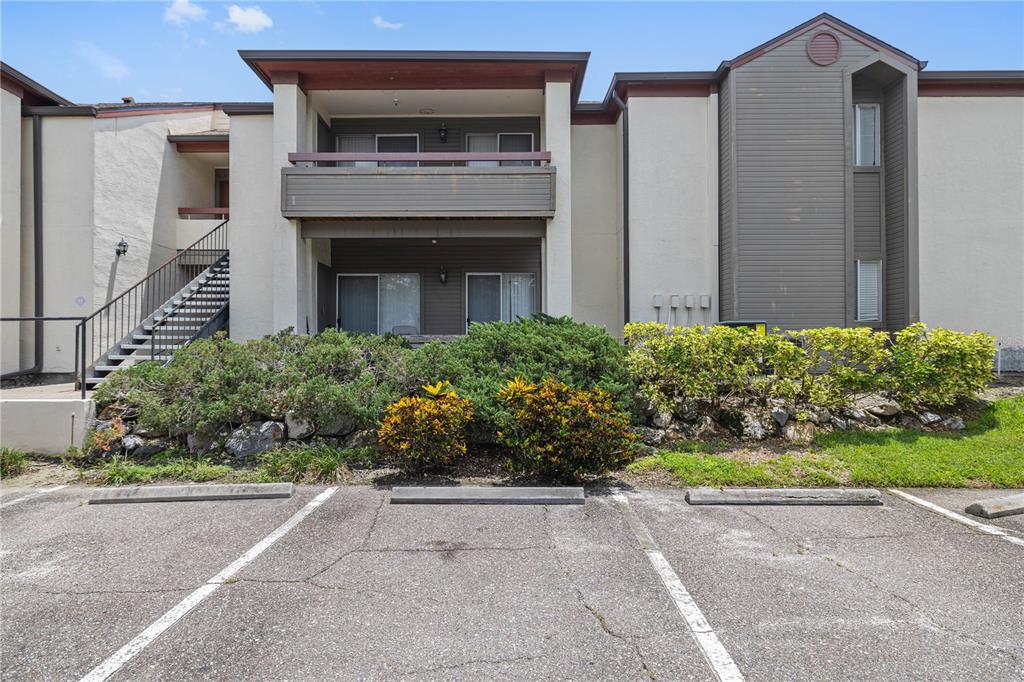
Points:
point(625, 204)
point(37, 245)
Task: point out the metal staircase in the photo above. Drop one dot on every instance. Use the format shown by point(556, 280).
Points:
point(184, 299)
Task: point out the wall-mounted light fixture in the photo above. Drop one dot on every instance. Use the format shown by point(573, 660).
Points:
point(442, 276)
point(122, 247)
point(442, 132)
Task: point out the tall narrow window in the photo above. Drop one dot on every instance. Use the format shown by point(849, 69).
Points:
point(869, 290)
point(866, 138)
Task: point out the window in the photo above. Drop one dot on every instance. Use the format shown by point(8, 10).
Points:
point(504, 297)
point(379, 303)
point(396, 144)
point(499, 142)
point(366, 143)
point(869, 290)
point(866, 138)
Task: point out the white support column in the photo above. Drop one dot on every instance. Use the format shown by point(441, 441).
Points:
point(558, 241)
point(291, 257)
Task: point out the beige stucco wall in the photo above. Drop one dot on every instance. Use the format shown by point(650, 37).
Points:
point(557, 252)
point(596, 228)
point(10, 228)
point(44, 426)
point(673, 206)
point(971, 203)
point(251, 230)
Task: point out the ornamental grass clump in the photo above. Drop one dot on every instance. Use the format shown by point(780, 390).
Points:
point(557, 431)
point(427, 432)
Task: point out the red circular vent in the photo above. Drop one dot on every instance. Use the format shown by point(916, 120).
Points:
point(823, 48)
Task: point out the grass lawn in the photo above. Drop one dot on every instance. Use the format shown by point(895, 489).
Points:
point(989, 452)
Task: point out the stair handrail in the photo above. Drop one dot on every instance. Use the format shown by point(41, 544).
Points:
point(112, 322)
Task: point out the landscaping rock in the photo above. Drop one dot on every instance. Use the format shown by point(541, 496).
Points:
point(819, 415)
point(749, 425)
point(648, 435)
point(704, 427)
point(686, 410)
point(799, 432)
point(908, 422)
point(140, 447)
point(202, 443)
point(878, 405)
point(342, 427)
point(99, 424)
point(839, 423)
point(953, 423)
point(862, 416)
point(253, 438)
point(780, 415)
point(929, 418)
point(662, 420)
point(298, 428)
point(645, 451)
point(366, 438)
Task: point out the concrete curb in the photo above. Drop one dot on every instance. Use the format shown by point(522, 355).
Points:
point(785, 496)
point(192, 493)
point(998, 506)
point(485, 495)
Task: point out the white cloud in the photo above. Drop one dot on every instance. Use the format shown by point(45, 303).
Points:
point(107, 64)
point(248, 19)
point(379, 22)
point(180, 12)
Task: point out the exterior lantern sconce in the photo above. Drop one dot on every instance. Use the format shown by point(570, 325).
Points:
point(122, 248)
point(442, 132)
point(442, 276)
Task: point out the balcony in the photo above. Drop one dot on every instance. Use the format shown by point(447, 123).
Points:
point(419, 185)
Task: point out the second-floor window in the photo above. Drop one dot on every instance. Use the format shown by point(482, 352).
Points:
point(368, 143)
point(866, 137)
point(499, 142)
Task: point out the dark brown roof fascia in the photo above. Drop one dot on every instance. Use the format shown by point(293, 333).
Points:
point(59, 111)
point(248, 109)
point(39, 90)
point(971, 84)
point(208, 137)
point(971, 76)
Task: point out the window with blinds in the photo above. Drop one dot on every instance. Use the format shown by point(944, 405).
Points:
point(866, 138)
point(869, 290)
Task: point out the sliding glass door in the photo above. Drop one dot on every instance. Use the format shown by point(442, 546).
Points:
point(379, 303)
point(500, 297)
point(483, 298)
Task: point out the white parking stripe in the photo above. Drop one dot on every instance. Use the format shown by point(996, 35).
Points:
point(37, 493)
point(977, 525)
point(715, 653)
point(110, 666)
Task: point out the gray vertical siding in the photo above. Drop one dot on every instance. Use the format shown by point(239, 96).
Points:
point(790, 173)
point(867, 215)
point(894, 159)
point(726, 204)
point(442, 306)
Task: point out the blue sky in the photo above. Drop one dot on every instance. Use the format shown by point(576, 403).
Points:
point(159, 51)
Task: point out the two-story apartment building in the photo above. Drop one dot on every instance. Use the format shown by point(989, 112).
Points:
point(822, 178)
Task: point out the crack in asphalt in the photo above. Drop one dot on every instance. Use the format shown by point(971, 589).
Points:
point(472, 661)
point(35, 590)
point(922, 618)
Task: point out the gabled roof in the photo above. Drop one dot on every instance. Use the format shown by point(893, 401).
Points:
point(31, 92)
point(415, 69)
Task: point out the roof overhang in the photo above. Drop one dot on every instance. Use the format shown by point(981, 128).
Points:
point(970, 84)
point(32, 94)
point(417, 69)
point(200, 142)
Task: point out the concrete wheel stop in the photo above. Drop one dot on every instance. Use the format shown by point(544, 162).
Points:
point(785, 496)
point(192, 493)
point(996, 507)
point(485, 495)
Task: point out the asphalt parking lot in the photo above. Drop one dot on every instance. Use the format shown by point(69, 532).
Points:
point(360, 589)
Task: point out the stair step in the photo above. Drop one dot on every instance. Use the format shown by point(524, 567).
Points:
point(146, 347)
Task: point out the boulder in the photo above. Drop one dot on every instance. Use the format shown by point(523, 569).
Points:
point(204, 443)
point(953, 423)
point(648, 435)
point(99, 424)
point(929, 418)
point(140, 447)
point(343, 426)
point(365, 438)
point(645, 451)
point(819, 415)
point(704, 427)
point(685, 409)
point(862, 416)
point(839, 423)
point(298, 428)
point(878, 405)
point(662, 420)
point(780, 415)
point(253, 438)
point(801, 432)
point(749, 425)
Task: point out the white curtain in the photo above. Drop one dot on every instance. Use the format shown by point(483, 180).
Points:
point(515, 142)
point(400, 303)
point(518, 296)
point(361, 144)
point(482, 142)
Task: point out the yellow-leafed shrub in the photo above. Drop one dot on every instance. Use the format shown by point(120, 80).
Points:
point(427, 432)
point(558, 431)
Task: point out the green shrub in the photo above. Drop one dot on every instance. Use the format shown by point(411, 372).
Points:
point(843, 362)
point(938, 367)
point(423, 433)
point(482, 362)
point(558, 431)
point(12, 462)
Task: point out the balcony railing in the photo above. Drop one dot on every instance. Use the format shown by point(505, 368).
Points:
point(419, 185)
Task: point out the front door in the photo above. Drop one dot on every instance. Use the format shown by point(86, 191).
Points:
point(483, 298)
